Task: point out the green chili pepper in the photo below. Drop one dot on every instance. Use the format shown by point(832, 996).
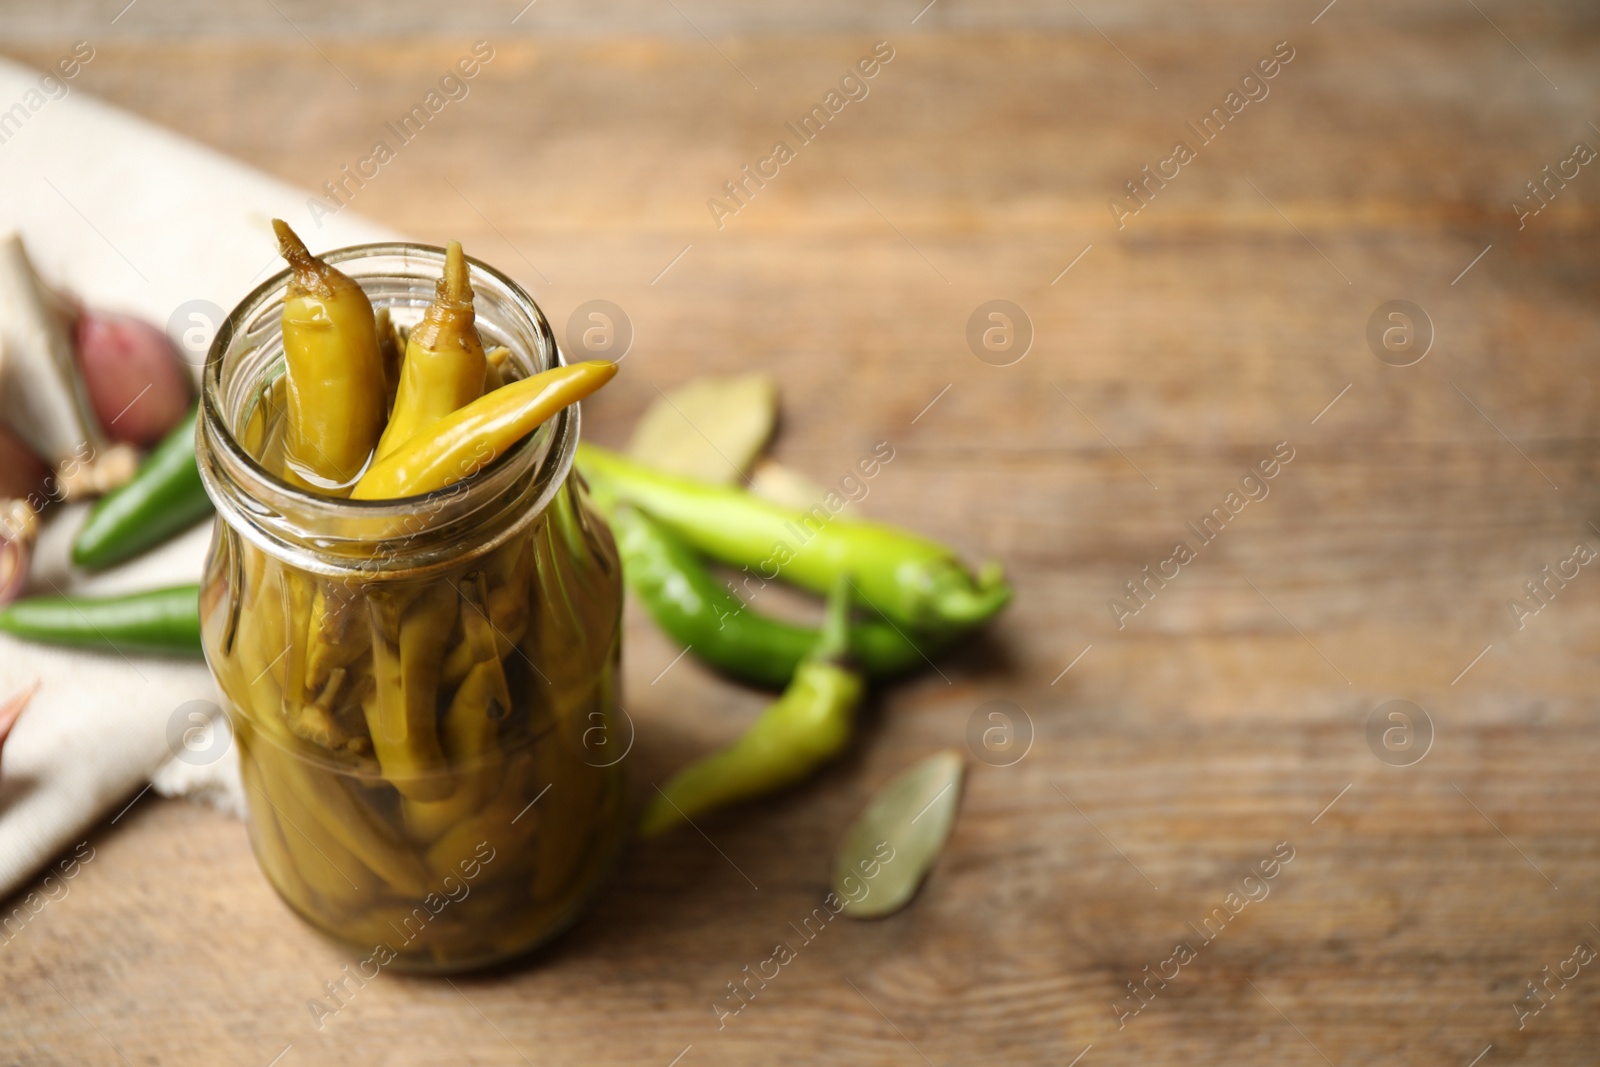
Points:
point(160, 621)
point(163, 498)
point(803, 729)
point(687, 601)
point(914, 582)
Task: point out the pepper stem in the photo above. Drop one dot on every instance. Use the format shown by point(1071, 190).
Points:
point(456, 285)
point(967, 605)
point(834, 642)
point(307, 269)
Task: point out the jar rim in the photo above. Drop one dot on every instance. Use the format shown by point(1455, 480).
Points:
point(547, 454)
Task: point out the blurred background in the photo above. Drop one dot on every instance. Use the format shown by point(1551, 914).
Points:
point(1174, 319)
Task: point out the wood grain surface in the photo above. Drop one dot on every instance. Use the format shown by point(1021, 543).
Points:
point(1226, 719)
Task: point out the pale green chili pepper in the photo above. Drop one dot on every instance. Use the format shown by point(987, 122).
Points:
point(913, 581)
point(803, 729)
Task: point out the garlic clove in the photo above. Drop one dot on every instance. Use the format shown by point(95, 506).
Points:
point(136, 385)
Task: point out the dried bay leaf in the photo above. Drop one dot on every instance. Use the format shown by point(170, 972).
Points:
point(889, 848)
point(710, 428)
point(785, 486)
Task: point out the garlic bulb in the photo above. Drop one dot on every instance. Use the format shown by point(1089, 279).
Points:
point(42, 399)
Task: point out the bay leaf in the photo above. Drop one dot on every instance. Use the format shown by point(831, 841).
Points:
point(785, 486)
point(889, 848)
point(710, 428)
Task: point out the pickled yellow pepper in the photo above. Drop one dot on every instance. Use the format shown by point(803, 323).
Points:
point(333, 368)
point(401, 710)
point(467, 440)
point(444, 367)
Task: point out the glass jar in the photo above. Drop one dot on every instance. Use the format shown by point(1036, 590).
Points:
point(423, 691)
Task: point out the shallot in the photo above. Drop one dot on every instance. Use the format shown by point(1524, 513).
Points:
point(137, 387)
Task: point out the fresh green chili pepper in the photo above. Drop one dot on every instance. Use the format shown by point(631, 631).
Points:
point(164, 498)
point(160, 621)
point(687, 601)
point(803, 729)
point(914, 582)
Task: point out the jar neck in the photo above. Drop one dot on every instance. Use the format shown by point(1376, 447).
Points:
point(376, 539)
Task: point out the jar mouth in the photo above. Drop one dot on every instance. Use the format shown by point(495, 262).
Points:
point(335, 534)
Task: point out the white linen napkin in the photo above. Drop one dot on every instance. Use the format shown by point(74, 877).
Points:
point(134, 218)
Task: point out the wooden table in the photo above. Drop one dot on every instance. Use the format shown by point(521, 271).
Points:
point(1169, 754)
